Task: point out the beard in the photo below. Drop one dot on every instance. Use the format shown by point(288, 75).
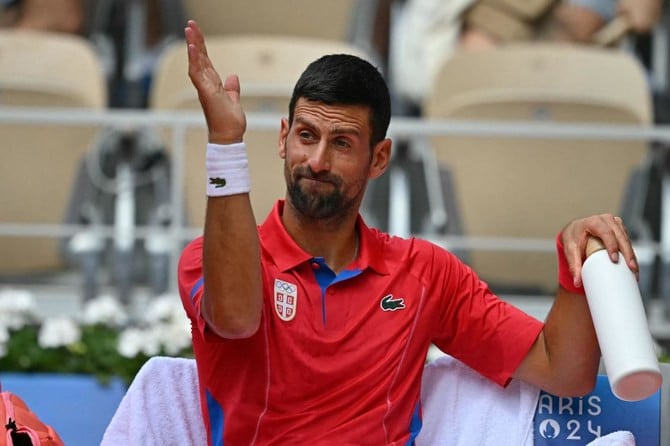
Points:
point(314, 204)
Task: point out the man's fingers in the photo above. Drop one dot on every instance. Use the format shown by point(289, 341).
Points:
point(201, 71)
point(194, 34)
point(615, 237)
point(625, 246)
point(619, 221)
point(611, 231)
point(603, 227)
point(197, 50)
point(574, 256)
point(232, 88)
point(198, 37)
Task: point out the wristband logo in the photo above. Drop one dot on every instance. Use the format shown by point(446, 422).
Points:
point(217, 182)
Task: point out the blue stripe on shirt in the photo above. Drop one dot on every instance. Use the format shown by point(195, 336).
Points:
point(415, 425)
point(196, 288)
point(216, 419)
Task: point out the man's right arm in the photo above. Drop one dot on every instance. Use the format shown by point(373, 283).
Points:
point(232, 300)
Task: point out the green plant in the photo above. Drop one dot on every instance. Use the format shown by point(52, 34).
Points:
point(102, 341)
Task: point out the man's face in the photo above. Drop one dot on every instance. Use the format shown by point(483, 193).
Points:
point(327, 158)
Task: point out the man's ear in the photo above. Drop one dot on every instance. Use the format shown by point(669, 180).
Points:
point(381, 156)
point(283, 134)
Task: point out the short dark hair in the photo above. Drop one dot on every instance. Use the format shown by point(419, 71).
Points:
point(344, 79)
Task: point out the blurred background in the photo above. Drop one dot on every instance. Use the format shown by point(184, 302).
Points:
point(510, 118)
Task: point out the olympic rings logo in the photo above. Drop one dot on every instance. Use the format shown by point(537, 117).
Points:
point(285, 287)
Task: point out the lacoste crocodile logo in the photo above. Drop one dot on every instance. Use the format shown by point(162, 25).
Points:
point(217, 182)
point(388, 303)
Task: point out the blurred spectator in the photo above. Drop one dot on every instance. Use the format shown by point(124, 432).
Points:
point(423, 34)
point(65, 16)
point(426, 32)
point(580, 20)
point(131, 36)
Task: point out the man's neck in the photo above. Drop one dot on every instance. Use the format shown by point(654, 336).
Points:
point(337, 242)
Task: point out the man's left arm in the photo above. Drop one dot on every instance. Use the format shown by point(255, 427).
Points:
point(565, 357)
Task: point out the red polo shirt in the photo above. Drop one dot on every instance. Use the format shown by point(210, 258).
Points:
point(338, 359)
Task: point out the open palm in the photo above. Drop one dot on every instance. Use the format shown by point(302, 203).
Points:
point(220, 101)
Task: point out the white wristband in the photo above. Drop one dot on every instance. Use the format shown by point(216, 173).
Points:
point(227, 169)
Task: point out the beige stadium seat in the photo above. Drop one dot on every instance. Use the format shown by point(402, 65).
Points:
point(39, 161)
point(326, 19)
point(520, 187)
point(268, 67)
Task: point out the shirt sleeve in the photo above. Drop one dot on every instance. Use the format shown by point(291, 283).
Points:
point(480, 329)
point(190, 282)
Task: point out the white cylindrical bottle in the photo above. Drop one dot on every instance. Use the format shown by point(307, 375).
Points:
point(621, 324)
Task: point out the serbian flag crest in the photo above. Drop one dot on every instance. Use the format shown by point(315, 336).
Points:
point(285, 299)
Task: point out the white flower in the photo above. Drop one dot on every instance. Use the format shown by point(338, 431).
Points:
point(170, 329)
point(57, 332)
point(166, 307)
point(17, 308)
point(133, 341)
point(106, 310)
point(20, 301)
point(172, 337)
point(152, 342)
point(130, 342)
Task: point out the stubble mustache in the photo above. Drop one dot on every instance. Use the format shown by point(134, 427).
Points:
point(324, 177)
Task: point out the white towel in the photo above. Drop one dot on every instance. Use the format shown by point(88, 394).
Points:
point(618, 438)
point(160, 408)
point(462, 408)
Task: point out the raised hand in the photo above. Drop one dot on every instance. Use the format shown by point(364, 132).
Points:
point(609, 229)
point(220, 101)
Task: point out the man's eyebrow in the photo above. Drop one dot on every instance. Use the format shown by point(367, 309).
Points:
point(345, 130)
point(336, 129)
point(303, 121)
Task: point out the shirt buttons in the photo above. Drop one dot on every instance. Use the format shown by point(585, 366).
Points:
point(315, 265)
